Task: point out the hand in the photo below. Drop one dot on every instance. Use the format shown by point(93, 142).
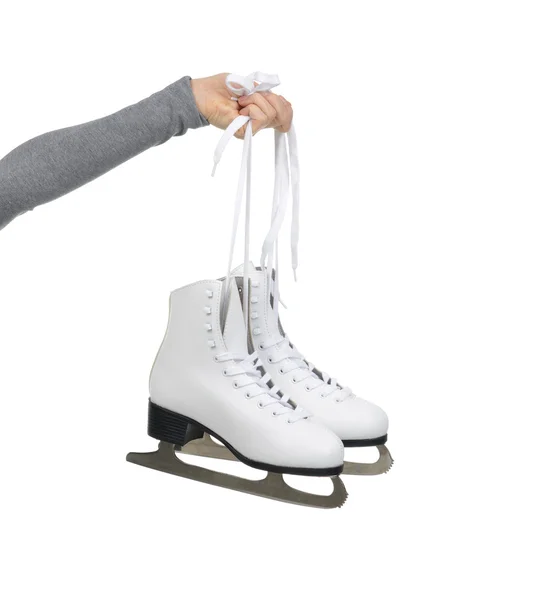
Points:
point(267, 110)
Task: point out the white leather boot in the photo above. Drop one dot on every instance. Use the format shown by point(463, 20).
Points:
point(357, 422)
point(204, 381)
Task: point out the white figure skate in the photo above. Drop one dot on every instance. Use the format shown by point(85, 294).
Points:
point(357, 422)
point(204, 382)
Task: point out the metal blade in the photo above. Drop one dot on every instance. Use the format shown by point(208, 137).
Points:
point(205, 446)
point(272, 486)
point(382, 465)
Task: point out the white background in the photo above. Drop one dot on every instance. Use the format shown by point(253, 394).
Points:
point(418, 126)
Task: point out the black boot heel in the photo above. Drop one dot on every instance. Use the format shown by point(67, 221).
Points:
point(167, 426)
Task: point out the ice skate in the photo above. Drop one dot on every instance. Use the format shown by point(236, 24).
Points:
point(204, 382)
point(357, 422)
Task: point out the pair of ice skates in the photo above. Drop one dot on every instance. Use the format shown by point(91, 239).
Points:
point(227, 370)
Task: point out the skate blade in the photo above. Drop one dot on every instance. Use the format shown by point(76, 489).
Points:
point(273, 486)
point(382, 465)
point(205, 446)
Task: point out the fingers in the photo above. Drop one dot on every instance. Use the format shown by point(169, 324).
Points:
point(259, 120)
point(283, 108)
point(259, 109)
point(276, 111)
point(262, 103)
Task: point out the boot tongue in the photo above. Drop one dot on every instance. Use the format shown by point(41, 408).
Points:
point(234, 333)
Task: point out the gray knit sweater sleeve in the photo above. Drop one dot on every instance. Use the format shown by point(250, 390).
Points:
point(58, 162)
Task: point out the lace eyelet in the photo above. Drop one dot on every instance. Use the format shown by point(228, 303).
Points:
point(224, 371)
point(322, 395)
point(261, 346)
point(281, 371)
point(247, 395)
point(273, 414)
point(260, 405)
point(215, 359)
point(307, 388)
point(270, 359)
point(235, 385)
point(289, 421)
point(294, 380)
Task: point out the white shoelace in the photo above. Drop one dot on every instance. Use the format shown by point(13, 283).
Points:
point(241, 86)
point(306, 370)
point(268, 396)
point(286, 173)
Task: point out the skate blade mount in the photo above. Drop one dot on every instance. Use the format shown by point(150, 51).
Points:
point(273, 486)
point(205, 446)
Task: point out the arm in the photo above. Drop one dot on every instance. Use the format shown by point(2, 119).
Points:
point(58, 162)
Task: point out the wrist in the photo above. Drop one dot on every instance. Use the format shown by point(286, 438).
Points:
point(197, 86)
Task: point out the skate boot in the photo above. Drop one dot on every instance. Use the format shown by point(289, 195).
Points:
point(205, 383)
point(357, 422)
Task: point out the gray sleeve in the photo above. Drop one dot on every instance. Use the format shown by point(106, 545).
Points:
point(58, 162)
